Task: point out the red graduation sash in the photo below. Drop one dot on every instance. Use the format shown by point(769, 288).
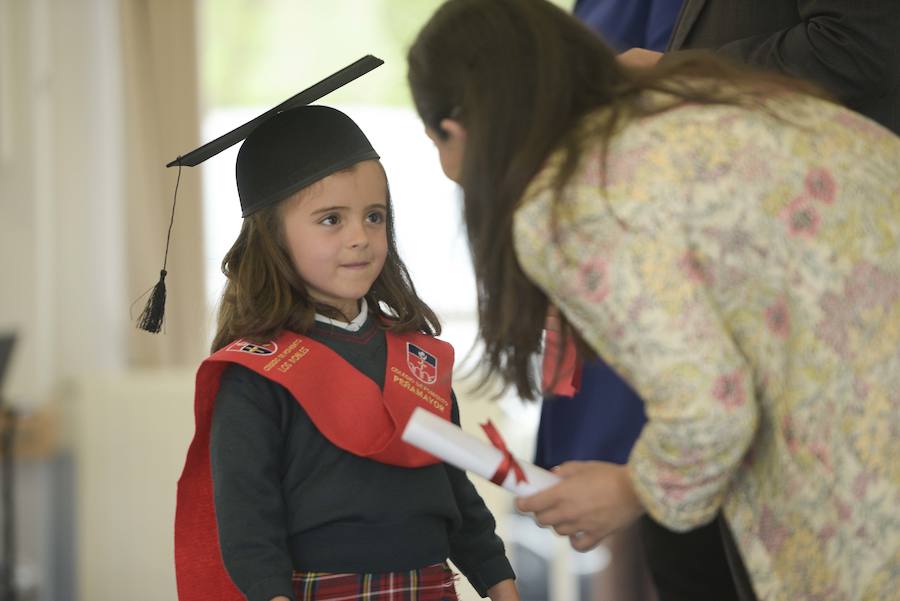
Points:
point(560, 376)
point(356, 416)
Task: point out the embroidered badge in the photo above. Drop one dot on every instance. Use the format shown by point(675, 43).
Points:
point(242, 346)
point(423, 365)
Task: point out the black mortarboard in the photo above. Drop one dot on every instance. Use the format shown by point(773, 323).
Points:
point(294, 149)
point(287, 148)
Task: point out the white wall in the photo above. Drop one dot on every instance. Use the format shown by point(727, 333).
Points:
point(131, 435)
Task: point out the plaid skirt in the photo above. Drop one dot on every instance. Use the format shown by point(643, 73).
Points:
point(431, 583)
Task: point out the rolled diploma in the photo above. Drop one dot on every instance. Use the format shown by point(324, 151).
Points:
point(453, 445)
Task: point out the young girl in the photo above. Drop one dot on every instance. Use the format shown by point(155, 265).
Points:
point(297, 485)
point(723, 239)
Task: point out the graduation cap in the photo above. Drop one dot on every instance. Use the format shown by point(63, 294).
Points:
point(287, 148)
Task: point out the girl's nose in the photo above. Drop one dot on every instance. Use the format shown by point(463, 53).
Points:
point(357, 236)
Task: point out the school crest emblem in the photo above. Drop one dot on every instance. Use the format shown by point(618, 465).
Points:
point(242, 346)
point(422, 364)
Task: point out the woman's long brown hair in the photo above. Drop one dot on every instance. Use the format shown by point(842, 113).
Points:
point(520, 75)
point(264, 296)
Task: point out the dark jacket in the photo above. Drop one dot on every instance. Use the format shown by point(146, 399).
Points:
point(851, 48)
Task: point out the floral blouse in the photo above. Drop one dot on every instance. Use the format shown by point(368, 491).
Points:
point(742, 273)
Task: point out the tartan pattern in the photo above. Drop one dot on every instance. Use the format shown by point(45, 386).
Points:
point(431, 583)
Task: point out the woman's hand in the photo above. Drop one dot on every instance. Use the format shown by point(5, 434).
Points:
point(593, 500)
point(640, 58)
point(505, 590)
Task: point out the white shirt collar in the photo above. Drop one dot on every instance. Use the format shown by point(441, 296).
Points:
point(354, 325)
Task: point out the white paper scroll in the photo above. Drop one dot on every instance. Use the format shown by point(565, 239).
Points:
point(451, 444)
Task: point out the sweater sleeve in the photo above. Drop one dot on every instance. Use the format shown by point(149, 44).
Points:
point(638, 297)
point(475, 547)
point(677, 351)
point(245, 456)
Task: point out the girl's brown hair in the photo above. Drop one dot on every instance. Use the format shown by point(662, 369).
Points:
point(264, 295)
point(520, 75)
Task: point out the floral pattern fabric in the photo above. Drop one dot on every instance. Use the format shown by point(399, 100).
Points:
point(741, 270)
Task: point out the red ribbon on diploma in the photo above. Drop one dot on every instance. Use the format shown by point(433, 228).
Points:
point(509, 462)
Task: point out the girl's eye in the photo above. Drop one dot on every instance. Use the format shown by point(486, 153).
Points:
point(330, 220)
point(375, 217)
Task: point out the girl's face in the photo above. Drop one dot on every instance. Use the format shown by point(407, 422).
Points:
point(336, 235)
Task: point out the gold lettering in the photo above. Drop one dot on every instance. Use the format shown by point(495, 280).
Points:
point(407, 382)
point(285, 357)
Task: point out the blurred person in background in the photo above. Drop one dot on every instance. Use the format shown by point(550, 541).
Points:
point(851, 49)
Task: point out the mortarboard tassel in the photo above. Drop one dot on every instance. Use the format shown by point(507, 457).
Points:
point(151, 318)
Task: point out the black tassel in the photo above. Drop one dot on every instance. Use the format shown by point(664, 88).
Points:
point(151, 318)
